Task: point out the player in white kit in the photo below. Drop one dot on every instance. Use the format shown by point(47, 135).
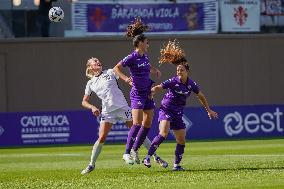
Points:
point(114, 107)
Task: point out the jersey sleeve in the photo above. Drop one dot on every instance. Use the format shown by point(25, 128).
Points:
point(168, 83)
point(112, 73)
point(88, 90)
point(127, 61)
point(194, 87)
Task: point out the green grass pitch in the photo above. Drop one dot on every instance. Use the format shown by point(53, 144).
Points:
point(219, 164)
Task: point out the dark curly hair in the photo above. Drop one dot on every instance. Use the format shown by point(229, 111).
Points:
point(174, 54)
point(135, 31)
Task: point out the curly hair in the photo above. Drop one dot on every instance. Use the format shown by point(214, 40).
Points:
point(174, 54)
point(135, 31)
point(136, 28)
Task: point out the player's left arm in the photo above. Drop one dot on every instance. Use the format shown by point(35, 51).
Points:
point(201, 97)
point(155, 72)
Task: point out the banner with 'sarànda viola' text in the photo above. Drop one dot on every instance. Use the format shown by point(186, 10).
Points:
point(197, 16)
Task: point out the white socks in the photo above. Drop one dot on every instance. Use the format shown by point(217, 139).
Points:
point(97, 148)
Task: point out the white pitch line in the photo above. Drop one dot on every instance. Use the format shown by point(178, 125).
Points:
point(40, 155)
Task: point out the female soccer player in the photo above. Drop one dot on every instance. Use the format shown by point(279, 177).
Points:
point(171, 110)
point(114, 107)
point(142, 106)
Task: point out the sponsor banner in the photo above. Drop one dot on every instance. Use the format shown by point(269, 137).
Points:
point(81, 127)
point(237, 122)
point(274, 7)
point(47, 128)
point(272, 13)
point(197, 16)
point(233, 122)
point(240, 15)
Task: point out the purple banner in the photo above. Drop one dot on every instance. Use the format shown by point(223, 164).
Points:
point(47, 128)
point(81, 127)
point(108, 18)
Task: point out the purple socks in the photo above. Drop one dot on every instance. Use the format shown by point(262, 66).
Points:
point(179, 152)
point(155, 144)
point(140, 137)
point(131, 138)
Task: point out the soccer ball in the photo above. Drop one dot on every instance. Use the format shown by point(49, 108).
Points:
point(56, 14)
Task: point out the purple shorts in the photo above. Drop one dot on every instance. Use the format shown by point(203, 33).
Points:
point(140, 100)
point(174, 117)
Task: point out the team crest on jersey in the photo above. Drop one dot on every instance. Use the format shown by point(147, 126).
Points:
point(139, 103)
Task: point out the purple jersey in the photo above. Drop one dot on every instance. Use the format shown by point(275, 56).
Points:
point(175, 98)
point(139, 67)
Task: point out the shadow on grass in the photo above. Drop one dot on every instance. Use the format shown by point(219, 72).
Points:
point(226, 169)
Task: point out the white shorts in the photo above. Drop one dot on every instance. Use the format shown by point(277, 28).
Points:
point(120, 115)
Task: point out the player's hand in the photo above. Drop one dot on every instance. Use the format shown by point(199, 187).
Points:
point(129, 81)
point(212, 114)
point(96, 111)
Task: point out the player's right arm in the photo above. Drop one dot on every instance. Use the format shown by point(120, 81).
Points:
point(118, 71)
point(165, 85)
point(126, 62)
point(86, 104)
point(154, 90)
point(86, 98)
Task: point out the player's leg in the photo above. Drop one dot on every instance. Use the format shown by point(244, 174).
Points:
point(180, 139)
point(137, 115)
point(143, 132)
point(132, 134)
point(104, 129)
point(164, 130)
point(147, 118)
point(157, 158)
point(130, 141)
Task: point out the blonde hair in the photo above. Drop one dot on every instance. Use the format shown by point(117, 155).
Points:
point(89, 71)
point(172, 53)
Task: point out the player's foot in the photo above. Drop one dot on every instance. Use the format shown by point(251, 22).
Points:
point(88, 169)
point(127, 158)
point(135, 156)
point(147, 162)
point(160, 161)
point(178, 168)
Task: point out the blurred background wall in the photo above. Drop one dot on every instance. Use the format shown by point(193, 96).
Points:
point(49, 74)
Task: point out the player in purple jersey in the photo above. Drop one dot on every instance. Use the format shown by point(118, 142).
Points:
point(103, 83)
point(171, 110)
point(142, 106)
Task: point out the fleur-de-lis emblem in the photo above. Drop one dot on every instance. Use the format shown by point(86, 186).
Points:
point(240, 15)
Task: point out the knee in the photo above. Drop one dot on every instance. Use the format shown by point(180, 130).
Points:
point(147, 123)
point(164, 133)
point(181, 141)
point(137, 123)
point(102, 138)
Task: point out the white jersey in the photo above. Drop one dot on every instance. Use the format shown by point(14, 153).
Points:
point(106, 88)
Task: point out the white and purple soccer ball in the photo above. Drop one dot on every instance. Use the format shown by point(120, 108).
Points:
point(56, 14)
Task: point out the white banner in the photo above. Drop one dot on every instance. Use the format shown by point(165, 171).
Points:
point(273, 7)
point(240, 15)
